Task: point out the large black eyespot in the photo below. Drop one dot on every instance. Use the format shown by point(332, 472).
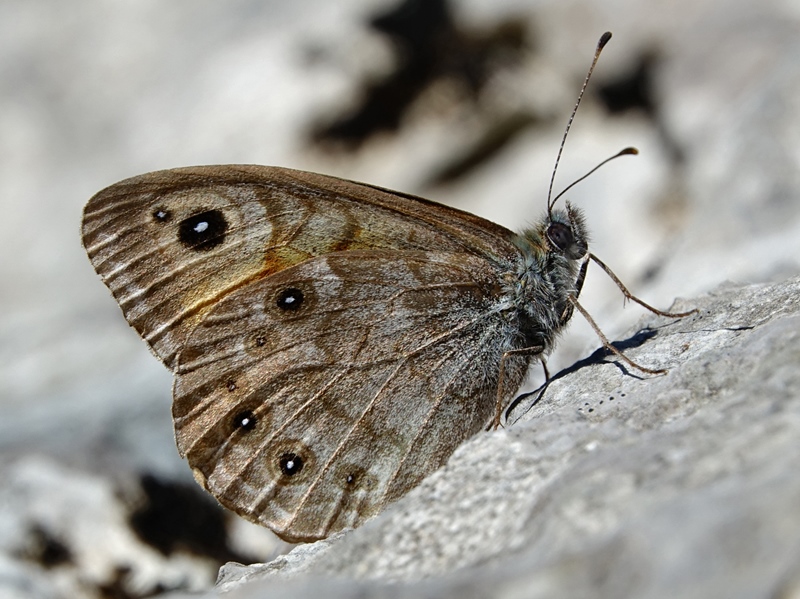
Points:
point(560, 235)
point(290, 299)
point(204, 231)
point(290, 463)
point(244, 420)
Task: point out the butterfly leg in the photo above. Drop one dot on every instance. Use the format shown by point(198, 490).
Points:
point(539, 392)
point(581, 278)
point(525, 351)
point(566, 315)
point(544, 367)
point(607, 343)
point(629, 296)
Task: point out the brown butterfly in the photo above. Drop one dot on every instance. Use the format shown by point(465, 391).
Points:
point(332, 342)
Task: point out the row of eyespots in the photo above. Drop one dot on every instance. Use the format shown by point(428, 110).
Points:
point(290, 463)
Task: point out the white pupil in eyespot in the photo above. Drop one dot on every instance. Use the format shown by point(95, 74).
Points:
point(200, 227)
point(289, 299)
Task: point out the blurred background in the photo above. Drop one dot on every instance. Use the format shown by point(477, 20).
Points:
point(463, 102)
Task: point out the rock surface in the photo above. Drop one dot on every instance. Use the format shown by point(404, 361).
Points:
point(611, 485)
point(95, 500)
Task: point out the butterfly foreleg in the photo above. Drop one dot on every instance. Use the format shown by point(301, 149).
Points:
point(581, 278)
point(566, 315)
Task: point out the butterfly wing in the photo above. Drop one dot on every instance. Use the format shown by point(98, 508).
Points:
point(307, 400)
point(171, 244)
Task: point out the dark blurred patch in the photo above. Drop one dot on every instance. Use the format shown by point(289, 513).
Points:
point(180, 517)
point(633, 89)
point(45, 549)
point(496, 137)
point(429, 46)
point(636, 90)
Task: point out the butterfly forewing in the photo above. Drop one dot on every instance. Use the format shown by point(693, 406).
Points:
point(171, 244)
point(307, 400)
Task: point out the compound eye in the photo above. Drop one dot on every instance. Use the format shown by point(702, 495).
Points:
point(560, 235)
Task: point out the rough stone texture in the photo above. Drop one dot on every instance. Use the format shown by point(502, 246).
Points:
point(612, 485)
point(94, 91)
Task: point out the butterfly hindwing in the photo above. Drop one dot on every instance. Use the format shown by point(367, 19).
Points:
point(308, 399)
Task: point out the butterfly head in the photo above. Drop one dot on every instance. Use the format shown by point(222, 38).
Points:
point(565, 233)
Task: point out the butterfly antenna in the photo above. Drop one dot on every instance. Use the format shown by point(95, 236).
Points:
point(600, 45)
point(626, 152)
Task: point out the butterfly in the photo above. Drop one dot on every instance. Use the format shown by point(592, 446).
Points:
point(332, 342)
